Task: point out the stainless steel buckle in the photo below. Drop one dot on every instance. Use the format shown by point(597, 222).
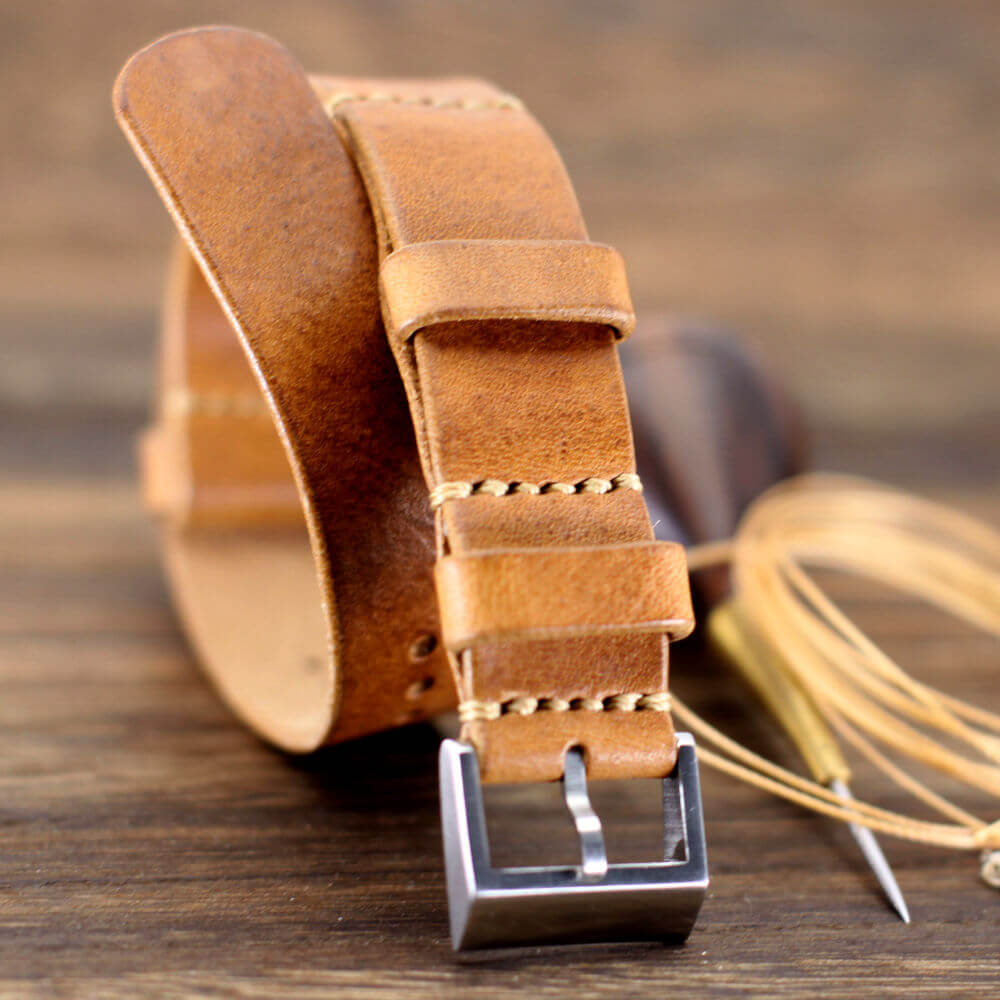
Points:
point(593, 901)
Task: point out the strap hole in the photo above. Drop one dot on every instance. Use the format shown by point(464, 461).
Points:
point(423, 647)
point(418, 688)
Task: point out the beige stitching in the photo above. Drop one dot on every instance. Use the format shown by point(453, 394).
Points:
point(492, 487)
point(475, 710)
point(184, 403)
point(559, 488)
point(498, 488)
point(505, 103)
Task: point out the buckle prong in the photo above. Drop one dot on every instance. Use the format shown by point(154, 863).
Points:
point(594, 857)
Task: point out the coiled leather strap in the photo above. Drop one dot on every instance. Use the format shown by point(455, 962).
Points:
point(327, 629)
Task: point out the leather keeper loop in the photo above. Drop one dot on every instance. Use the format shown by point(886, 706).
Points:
point(218, 470)
point(453, 280)
point(545, 593)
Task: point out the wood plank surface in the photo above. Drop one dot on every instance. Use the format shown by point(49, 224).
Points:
point(823, 177)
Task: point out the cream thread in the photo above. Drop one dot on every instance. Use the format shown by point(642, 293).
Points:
point(566, 488)
point(475, 710)
point(492, 487)
point(498, 488)
point(782, 615)
point(505, 103)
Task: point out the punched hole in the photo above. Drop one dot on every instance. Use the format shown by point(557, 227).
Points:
point(417, 688)
point(423, 647)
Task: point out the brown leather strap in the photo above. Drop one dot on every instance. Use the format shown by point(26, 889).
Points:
point(503, 397)
point(515, 396)
point(300, 552)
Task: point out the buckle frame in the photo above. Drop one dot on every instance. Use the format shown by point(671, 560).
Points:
point(507, 907)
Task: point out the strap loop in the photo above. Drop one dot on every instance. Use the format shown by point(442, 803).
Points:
point(532, 594)
point(443, 281)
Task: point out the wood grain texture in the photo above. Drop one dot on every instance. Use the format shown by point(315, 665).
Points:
point(823, 177)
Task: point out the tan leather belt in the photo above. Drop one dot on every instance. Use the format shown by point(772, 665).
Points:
point(432, 347)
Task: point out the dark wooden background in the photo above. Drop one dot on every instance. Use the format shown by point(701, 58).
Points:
point(823, 177)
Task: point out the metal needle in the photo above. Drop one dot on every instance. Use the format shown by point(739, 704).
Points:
point(872, 851)
point(793, 707)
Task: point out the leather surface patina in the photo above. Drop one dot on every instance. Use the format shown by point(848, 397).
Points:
point(293, 478)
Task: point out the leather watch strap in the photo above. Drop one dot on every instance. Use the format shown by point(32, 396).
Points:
point(522, 390)
point(443, 209)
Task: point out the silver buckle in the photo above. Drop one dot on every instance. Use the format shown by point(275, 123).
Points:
point(593, 901)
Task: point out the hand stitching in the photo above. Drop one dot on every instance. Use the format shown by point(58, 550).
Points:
point(475, 710)
point(498, 488)
point(504, 103)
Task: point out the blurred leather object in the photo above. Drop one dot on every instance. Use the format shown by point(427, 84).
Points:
point(713, 427)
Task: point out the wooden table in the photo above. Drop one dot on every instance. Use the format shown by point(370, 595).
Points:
point(822, 177)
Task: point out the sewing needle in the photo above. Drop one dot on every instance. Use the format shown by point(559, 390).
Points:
point(794, 708)
point(876, 859)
